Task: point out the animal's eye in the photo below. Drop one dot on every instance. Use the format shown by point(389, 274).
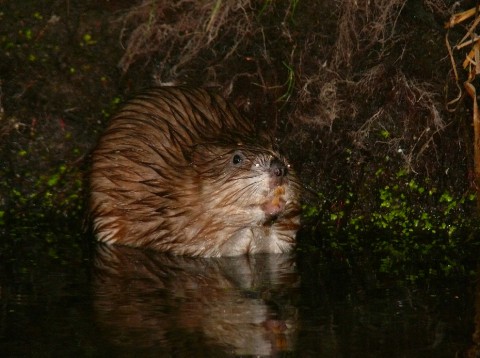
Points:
point(237, 158)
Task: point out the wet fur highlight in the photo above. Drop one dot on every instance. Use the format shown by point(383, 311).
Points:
point(180, 170)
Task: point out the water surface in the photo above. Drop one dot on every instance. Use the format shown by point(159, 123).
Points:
point(60, 297)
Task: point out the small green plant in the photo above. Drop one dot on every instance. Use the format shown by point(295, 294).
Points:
point(289, 84)
point(112, 107)
point(391, 223)
point(42, 192)
point(87, 40)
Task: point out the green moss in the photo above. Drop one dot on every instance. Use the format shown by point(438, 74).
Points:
point(87, 40)
point(409, 226)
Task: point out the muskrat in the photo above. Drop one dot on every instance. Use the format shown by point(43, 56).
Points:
point(180, 170)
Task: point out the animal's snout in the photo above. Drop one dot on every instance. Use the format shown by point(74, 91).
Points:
point(278, 168)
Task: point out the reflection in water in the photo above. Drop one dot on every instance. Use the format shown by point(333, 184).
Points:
point(241, 304)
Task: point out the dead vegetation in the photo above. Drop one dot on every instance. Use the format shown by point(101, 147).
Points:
point(180, 32)
point(354, 84)
point(471, 64)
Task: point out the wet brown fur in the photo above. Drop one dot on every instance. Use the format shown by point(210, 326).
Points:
point(163, 177)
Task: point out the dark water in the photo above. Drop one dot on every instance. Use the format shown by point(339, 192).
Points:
point(61, 298)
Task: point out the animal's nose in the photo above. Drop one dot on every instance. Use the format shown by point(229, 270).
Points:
point(278, 168)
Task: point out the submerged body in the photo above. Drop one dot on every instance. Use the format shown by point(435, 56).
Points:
point(180, 170)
